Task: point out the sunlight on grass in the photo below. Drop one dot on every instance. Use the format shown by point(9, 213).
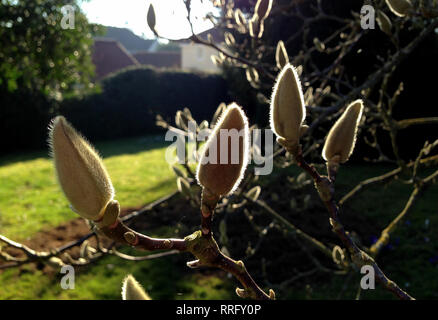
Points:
point(31, 200)
point(164, 278)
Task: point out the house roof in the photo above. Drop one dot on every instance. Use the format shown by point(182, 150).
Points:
point(216, 34)
point(128, 39)
point(159, 59)
point(110, 56)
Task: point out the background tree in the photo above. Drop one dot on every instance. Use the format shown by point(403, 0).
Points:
point(40, 64)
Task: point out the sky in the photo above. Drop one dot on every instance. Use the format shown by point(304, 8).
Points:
point(131, 14)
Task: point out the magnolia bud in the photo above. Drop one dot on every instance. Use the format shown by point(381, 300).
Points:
point(240, 21)
point(399, 7)
point(55, 262)
point(384, 22)
point(338, 255)
point(262, 8)
point(252, 76)
point(216, 60)
point(183, 186)
point(132, 290)
point(320, 46)
point(80, 171)
point(242, 293)
point(225, 156)
point(239, 17)
point(254, 193)
point(218, 113)
point(287, 107)
point(110, 215)
point(341, 138)
point(181, 120)
point(271, 294)
point(281, 56)
point(151, 17)
point(255, 27)
point(229, 39)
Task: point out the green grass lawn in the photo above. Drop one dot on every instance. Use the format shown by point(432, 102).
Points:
point(31, 201)
point(163, 278)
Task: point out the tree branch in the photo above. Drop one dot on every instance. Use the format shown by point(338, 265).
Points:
point(325, 189)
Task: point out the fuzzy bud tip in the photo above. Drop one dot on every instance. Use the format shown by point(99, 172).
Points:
point(287, 111)
point(132, 290)
point(340, 141)
point(80, 171)
point(225, 155)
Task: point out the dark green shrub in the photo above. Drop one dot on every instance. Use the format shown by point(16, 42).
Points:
point(125, 106)
point(130, 100)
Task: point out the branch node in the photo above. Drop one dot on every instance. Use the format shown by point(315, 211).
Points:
point(361, 259)
point(131, 238)
point(241, 266)
point(168, 244)
point(324, 188)
point(336, 225)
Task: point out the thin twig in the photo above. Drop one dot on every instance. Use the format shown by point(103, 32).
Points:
point(325, 189)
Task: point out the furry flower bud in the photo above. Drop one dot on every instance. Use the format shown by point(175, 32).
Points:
point(132, 290)
point(399, 7)
point(287, 107)
point(225, 156)
point(80, 171)
point(256, 26)
point(229, 39)
point(262, 8)
point(384, 22)
point(151, 17)
point(239, 17)
point(281, 56)
point(340, 141)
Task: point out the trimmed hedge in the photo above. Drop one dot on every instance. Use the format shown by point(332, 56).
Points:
point(126, 106)
point(23, 120)
point(130, 100)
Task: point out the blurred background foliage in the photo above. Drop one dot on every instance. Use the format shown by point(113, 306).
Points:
point(40, 65)
point(45, 70)
point(129, 100)
point(368, 52)
point(38, 55)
